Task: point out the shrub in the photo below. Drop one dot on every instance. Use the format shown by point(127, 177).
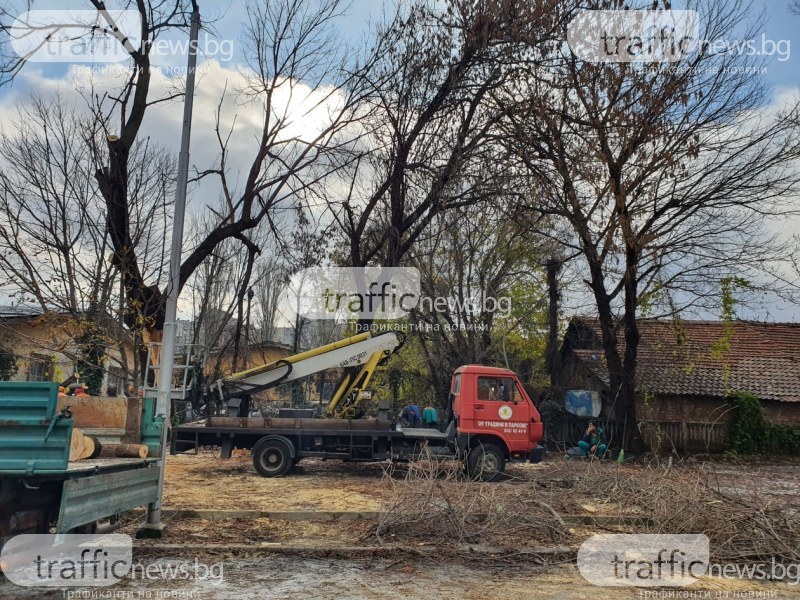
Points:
point(750, 433)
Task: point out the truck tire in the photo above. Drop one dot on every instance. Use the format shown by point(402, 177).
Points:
point(485, 462)
point(272, 457)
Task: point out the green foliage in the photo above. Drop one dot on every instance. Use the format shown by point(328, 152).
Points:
point(553, 414)
point(721, 347)
point(406, 379)
point(526, 326)
point(92, 352)
point(8, 364)
point(650, 299)
point(750, 433)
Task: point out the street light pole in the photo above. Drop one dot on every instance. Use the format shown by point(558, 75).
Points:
point(250, 294)
point(166, 366)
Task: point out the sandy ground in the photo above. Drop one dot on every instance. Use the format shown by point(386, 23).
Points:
point(291, 577)
point(206, 482)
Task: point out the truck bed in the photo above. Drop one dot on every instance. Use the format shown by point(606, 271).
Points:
point(83, 468)
point(107, 464)
point(348, 439)
point(286, 424)
point(423, 433)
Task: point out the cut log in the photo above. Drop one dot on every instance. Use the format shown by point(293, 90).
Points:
point(82, 446)
point(123, 451)
point(96, 446)
point(88, 447)
point(76, 445)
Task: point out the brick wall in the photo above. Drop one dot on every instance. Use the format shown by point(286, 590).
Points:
point(677, 409)
point(692, 409)
point(782, 413)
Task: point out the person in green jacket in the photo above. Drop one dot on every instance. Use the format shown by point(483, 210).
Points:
point(593, 442)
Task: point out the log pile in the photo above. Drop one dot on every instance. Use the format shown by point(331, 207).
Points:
point(84, 447)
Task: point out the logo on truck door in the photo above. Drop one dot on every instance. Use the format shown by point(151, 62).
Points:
point(505, 412)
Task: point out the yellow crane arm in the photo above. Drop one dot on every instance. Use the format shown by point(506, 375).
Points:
point(365, 350)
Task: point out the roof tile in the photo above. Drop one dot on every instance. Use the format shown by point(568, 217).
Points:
point(706, 358)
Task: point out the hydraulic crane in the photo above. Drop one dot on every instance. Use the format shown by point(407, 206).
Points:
point(359, 355)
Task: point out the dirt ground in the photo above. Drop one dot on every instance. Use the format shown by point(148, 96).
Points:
point(207, 482)
point(204, 481)
point(280, 577)
point(572, 489)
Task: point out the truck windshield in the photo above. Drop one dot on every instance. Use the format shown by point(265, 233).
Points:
point(501, 389)
point(456, 384)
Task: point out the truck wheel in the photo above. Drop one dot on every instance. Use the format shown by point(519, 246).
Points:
point(272, 458)
point(485, 462)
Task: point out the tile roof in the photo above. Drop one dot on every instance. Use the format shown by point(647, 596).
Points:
point(703, 358)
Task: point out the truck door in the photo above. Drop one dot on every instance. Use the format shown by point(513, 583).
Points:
point(501, 408)
point(454, 406)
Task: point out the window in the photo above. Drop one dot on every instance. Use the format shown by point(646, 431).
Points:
point(116, 377)
point(38, 369)
point(500, 389)
point(457, 384)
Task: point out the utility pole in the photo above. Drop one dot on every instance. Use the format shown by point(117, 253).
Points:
point(245, 363)
point(154, 527)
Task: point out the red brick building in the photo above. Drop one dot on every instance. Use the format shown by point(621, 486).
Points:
point(685, 371)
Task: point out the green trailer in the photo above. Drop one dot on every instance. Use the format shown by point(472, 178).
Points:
point(41, 491)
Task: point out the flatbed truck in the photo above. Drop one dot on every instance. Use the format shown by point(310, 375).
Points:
point(493, 420)
point(41, 491)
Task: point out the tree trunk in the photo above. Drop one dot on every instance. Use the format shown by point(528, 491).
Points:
point(553, 355)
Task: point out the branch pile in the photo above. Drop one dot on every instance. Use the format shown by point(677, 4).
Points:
point(433, 502)
point(742, 520)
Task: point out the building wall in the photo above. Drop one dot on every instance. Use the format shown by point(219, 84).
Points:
point(683, 423)
point(575, 377)
point(711, 410)
point(678, 409)
point(256, 356)
point(42, 347)
point(782, 413)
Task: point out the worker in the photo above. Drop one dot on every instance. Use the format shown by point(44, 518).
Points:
point(411, 415)
point(593, 442)
point(430, 417)
point(62, 392)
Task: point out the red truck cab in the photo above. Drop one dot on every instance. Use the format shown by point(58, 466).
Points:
point(496, 420)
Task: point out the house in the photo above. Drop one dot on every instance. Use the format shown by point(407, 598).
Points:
point(685, 371)
point(254, 355)
point(44, 347)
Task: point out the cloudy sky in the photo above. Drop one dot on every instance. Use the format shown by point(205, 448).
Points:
point(221, 59)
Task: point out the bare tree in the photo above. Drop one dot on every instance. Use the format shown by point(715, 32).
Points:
point(429, 115)
point(293, 52)
point(665, 175)
point(269, 283)
point(481, 259)
point(53, 241)
point(294, 61)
